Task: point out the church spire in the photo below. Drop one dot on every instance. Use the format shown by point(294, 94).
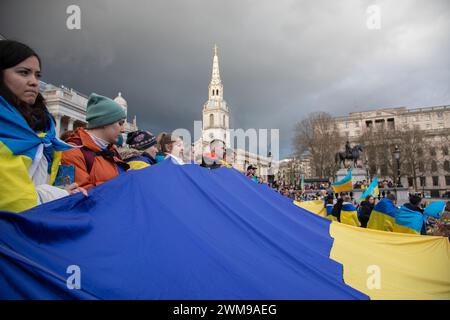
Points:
point(215, 78)
point(215, 86)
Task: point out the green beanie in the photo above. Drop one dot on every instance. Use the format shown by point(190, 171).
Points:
point(101, 111)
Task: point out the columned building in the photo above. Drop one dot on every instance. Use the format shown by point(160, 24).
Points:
point(68, 107)
point(432, 124)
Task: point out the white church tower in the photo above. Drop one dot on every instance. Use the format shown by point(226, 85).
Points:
point(215, 111)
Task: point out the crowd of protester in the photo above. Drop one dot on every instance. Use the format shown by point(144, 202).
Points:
point(97, 152)
point(344, 208)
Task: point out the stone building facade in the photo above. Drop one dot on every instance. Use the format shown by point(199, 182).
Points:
point(68, 107)
point(432, 122)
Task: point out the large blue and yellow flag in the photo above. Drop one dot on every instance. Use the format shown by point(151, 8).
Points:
point(224, 238)
point(343, 185)
point(372, 190)
point(383, 216)
point(405, 274)
point(302, 186)
point(21, 149)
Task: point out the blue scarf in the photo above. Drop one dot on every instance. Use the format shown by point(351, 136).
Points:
point(20, 139)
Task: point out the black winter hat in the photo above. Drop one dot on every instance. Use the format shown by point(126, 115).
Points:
point(140, 140)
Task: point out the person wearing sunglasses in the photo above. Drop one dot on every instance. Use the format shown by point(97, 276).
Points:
point(97, 159)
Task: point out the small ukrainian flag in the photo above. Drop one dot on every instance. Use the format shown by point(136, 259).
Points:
point(343, 185)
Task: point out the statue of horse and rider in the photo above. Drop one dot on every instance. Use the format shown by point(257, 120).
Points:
point(350, 153)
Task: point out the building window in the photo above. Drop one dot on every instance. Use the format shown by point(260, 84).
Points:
point(446, 165)
point(379, 124)
point(445, 151)
point(217, 92)
point(411, 182)
point(440, 115)
point(434, 167)
point(447, 180)
point(419, 152)
point(391, 124)
point(421, 167)
point(384, 170)
point(211, 120)
point(433, 152)
point(422, 181)
point(435, 181)
point(224, 124)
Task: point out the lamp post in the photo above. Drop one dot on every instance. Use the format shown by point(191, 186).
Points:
point(422, 182)
point(270, 175)
point(366, 163)
point(397, 158)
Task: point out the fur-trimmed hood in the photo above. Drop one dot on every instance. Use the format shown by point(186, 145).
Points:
point(127, 153)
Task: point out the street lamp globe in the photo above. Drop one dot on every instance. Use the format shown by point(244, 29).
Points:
point(397, 153)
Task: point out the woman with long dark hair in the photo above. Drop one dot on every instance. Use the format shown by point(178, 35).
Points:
point(30, 153)
point(365, 210)
point(336, 211)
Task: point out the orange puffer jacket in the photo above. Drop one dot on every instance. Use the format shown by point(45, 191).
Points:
point(92, 165)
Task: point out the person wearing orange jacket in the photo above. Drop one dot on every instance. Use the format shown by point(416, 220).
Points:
point(97, 159)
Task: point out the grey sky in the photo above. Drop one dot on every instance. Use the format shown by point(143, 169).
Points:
point(279, 59)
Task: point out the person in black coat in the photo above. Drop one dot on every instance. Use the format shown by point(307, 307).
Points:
point(336, 212)
point(365, 210)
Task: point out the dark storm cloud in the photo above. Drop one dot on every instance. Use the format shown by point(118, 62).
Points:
point(279, 59)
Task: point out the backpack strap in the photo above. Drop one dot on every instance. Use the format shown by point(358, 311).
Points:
point(88, 154)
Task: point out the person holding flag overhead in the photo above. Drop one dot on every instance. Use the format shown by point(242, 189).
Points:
point(30, 152)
